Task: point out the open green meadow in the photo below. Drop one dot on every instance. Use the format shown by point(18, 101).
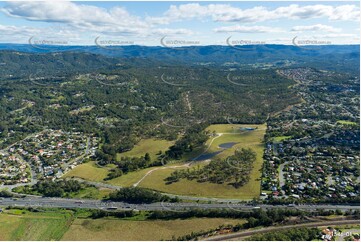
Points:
point(116, 229)
point(281, 138)
point(88, 171)
point(345, 122)
point(24, 225)
point(151, 146)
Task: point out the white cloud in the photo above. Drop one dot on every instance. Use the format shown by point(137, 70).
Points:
point(316, 27)
point(346, 12)
point(167, 31)
point(337, 36)
point(16, 30)
point(217, 12)
point(22, 34)
point(247, 29)
point(227, 13)
point(81, 17)
point(78, 15)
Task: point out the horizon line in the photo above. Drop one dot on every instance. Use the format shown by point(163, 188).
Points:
point(171, 47)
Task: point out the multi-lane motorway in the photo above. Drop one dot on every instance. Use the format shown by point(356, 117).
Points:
point(97, 204)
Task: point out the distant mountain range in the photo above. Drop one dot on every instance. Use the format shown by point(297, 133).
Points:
point(198, 51)
point(333, 57)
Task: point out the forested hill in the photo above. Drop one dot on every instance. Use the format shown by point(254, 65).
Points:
point(20, 64)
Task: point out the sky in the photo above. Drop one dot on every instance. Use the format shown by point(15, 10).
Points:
point(174, 24)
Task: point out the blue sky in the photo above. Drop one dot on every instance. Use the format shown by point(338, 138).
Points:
point(179, 23)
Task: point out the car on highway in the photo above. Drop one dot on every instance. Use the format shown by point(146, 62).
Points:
point(112, 208)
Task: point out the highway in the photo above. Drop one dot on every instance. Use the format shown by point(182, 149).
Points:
point(160, 206)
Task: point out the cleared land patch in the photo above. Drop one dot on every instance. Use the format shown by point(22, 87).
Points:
point(115, 229)
point(281, 138)
point(346, 122)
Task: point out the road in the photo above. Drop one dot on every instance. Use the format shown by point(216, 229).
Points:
point(86, 203)
point(248, 233)
point(281, 175)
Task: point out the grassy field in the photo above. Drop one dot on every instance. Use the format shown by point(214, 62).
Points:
point(281, 138)
point(231, 133)
point(346, 122)
point(88, 171)
point(115, 229)
point(92, 193)
point(152, 146)
point(24, 225)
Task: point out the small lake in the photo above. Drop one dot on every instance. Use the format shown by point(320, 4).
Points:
point(227, 145)
point(246, 129)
